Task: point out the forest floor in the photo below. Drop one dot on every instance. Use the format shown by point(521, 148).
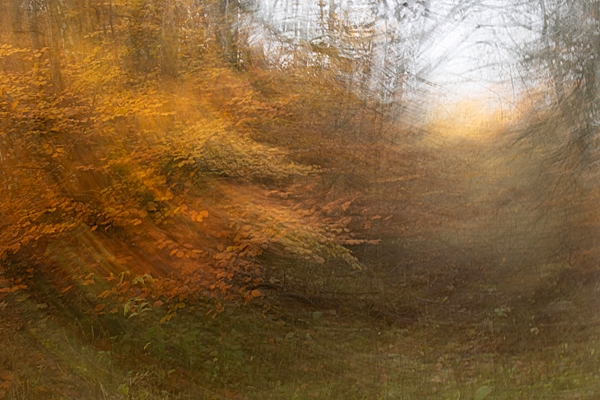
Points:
point(479, 314)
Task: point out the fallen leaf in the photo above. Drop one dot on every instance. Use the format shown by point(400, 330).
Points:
point(483, 392)
point(346, 205)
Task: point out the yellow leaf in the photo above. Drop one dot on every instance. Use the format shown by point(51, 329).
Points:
point(166, 318)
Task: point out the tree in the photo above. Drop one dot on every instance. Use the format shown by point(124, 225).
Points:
point(567, 50)
point(55, 44)
point(170, 39)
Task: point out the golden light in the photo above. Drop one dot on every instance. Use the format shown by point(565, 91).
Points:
point(467, 119)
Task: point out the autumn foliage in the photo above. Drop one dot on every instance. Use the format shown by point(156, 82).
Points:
point(133, 187)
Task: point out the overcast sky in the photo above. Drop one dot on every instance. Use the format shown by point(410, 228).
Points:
point(472, 54)
point(464, 52)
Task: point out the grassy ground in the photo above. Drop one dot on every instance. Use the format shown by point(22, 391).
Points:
point(310, 354)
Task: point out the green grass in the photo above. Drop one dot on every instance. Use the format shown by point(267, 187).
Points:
point(293, 354)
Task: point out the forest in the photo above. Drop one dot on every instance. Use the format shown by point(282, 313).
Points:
point(286, 199)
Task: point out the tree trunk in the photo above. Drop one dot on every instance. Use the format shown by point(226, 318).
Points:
point(170, 39)
point(55, 45)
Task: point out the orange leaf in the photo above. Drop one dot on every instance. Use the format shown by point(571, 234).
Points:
point(99, 307)
point(353, 242)
point(255, 293)
point(180, 254)
point(5, 381)
point(202, 214)
point(66, 289)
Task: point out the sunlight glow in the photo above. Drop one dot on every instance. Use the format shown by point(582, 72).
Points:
point(471, 118)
